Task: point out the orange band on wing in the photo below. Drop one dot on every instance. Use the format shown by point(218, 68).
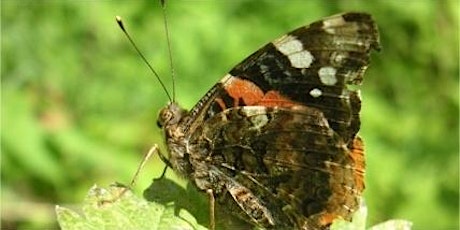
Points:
point(357, 154)
point(244, 90)
point(250, 94)
point(273, 98)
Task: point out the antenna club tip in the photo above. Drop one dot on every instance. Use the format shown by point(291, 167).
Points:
point(120, 22)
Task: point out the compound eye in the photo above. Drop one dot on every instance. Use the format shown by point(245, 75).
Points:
point(164, 117)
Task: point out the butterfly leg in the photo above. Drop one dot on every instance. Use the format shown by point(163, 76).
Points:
point(146, 157)
point(163, 158)
point(212, 223)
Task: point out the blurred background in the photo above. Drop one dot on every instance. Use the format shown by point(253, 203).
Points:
point(79, 107)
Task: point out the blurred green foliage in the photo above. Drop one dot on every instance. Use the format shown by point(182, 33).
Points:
point(78, 107)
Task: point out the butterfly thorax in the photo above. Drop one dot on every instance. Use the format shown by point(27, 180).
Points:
point(169, 119)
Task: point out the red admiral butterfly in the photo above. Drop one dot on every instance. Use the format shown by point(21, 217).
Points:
point(275, 141)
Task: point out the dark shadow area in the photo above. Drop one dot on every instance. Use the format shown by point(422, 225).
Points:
point(167, 192)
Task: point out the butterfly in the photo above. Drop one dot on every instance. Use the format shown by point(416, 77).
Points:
point(275, 141)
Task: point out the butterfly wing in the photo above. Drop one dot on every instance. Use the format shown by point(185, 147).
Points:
point(276, 139)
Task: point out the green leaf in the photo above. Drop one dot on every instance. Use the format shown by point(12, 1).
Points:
point(393, 225)
point(117, 208)
point(167, 205)
point(358, 220)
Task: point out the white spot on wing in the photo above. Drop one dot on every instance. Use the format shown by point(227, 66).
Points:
point(226, 78)
point(256, 115)
point(289, 45)
point(316, 92)
point(327, 75)
point(330, 24)
point(253, 110)
point(302, 59)
point(258, 121)
point(333, 21)
point(293, 49)
point(338, 58)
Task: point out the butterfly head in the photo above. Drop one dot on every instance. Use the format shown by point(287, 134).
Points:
point(170, 115)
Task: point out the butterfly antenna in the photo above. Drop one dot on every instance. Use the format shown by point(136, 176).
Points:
point(165, 19)
point(120, 23)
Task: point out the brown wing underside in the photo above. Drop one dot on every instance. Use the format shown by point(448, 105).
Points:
point(290, 160)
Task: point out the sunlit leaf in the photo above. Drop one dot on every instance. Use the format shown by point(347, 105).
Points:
point(106, 209)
